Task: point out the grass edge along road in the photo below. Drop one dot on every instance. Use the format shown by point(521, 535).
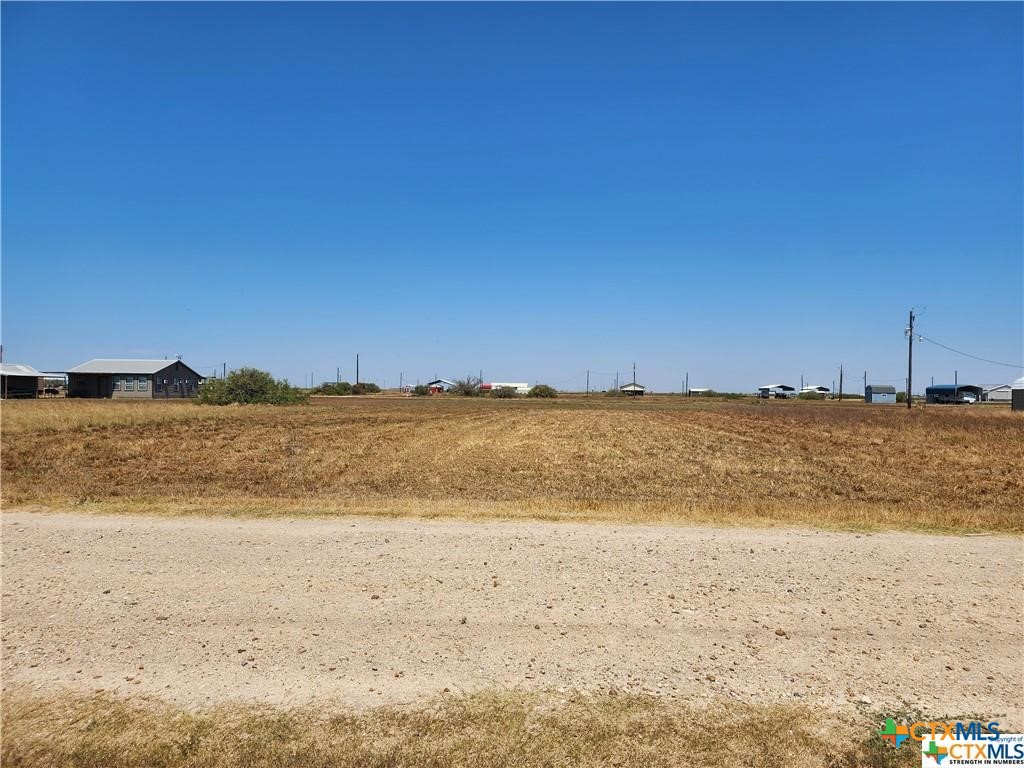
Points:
point(495, 728)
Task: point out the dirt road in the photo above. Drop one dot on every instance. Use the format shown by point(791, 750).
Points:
point(200, 611)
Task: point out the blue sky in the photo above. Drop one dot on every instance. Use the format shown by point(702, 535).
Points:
point(748, 192)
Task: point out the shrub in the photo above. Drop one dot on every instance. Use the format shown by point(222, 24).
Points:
point(810, 396)
point(420, 390)
point(542, 390)
point(364, 388)
point(613, 392)
point(341, 388)
point(467, 387)
point(505, 392)
point(249, 385)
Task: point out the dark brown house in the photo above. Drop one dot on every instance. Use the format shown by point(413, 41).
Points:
point(133, 379)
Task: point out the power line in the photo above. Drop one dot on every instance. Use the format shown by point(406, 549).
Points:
point(967, 354)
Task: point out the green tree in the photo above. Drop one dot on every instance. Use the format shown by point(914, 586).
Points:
point(542, 390)
point(249, 385)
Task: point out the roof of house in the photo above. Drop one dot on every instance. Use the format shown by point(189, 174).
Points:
point(996, 387)
point(123, 366)
point(16, 369)
point(700, 389)
point(633, 385)
point(1019, 383)
point(435, 382)
point(815, 388)
point(936, 388)
point(785, 387)
point(882, 389)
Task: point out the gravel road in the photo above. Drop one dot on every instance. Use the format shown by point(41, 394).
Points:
point(366, 612)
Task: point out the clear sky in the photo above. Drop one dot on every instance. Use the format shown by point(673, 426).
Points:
point(748, 192)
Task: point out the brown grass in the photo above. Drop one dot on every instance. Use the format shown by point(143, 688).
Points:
point(661, 459)
point(487, 729)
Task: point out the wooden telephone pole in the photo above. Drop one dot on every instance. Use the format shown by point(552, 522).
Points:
point(910, 357)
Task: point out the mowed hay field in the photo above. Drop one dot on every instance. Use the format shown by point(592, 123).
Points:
point(598, 458)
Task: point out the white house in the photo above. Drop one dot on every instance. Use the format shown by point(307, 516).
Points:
point(1000, 393)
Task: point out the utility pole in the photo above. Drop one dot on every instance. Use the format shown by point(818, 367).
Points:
point(357, 368)
point(865, 381)
point(801, 382)
point(910, 358)
point(686, 385)
point(337, 375)
point(840, 382)
point(400, 380)
point(634, 374)
point(956, 382)
point(588, 383)
point(616, 381)
point(225, 369)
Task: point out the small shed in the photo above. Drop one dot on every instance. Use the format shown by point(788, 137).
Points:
point(880, 393)
point(19, 381)
point(633, 389)
point(439, 385)
point(698, 391)
point(1017, 395)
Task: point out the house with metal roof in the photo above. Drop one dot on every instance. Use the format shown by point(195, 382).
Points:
point(998, 393)
point(880, 393)
point(633, 389)
point(21, 381)
point(133, 379)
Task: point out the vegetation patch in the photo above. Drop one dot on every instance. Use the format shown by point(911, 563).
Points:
point(484, 729)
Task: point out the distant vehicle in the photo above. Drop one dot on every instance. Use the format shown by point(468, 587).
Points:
point(967, 397)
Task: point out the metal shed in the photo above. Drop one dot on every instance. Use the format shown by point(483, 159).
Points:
point(952, 393)
point(633, 390)
point(880, 393)
point(21, 381)
point(1017, 395)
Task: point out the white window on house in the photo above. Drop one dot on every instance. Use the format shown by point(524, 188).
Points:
point(129, 383)
point(143, 383)
point(117, 383)
point(159, 384)
point(177, 384)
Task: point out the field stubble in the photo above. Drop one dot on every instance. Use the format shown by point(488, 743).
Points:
point(663, 459)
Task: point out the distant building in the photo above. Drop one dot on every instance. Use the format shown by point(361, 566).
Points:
point(633, 389)
point(439, 385)
point(133, 379)
point(698, 391)
point(776, 391)
point(519, 387)
point(816, 389)
point(952, 393)
point(1001, 393)
point(1017, 395)
point(19, 381)
point(880, 393)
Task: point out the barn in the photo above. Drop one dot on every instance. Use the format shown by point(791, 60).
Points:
point(439, 385)
point(133, 379)
point(19, 381)
point(880, 393)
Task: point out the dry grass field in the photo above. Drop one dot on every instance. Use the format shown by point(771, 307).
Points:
point(661, 459)
point(487, 729)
